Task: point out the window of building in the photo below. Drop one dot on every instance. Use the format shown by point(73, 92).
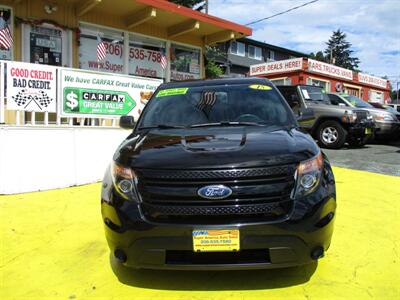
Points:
point(6, 18)
point(282, 81)
point(254, 52)
point(185, 63)
point(114, 43)
point(271, 55)
point(237, 48)
point(319, 82)
point(147, 57)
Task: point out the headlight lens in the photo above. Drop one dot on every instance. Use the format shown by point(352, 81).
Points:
point(384, 117)
point(349, 117)
point(124, 180)
point(308, 175)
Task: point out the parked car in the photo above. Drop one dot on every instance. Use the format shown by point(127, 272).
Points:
point(387, 125)
point(396, 106)
point(332, 125)
point(217, 175)
point(386, 107)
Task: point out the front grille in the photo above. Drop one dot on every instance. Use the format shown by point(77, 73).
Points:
point(361, 115)
point(257, 194)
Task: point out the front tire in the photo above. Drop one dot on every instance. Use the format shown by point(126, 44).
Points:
point(331, 135)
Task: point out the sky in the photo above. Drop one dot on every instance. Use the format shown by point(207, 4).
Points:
point(371, 26)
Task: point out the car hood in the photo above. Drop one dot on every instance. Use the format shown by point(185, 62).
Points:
point(215, 147)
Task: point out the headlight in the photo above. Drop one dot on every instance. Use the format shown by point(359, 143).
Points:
point(349, 117)
point(308, 175)
point(124, 180)
point(384, 117)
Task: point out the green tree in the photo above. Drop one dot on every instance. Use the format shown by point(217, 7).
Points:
point(187, 3)
point(318, 56)
point(212, 69)
point(339, 53)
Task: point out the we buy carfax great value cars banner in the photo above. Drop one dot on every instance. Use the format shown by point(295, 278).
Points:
point(94, 94)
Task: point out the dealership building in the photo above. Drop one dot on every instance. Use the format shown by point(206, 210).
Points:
point(60, 101)
point(332, 78)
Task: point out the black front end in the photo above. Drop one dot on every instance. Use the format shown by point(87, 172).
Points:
point(155, 229)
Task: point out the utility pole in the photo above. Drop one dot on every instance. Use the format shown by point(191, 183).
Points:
point(206, 6)
point(397, 92)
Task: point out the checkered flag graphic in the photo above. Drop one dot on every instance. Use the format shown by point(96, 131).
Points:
point(44, 99)
point(21, 98)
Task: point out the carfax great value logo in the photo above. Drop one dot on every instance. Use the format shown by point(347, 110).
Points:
point(93, 101)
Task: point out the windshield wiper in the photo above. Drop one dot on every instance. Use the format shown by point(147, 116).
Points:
point(226, 123)
point(161, 126)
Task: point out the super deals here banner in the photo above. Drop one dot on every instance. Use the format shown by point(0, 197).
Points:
point(31, 87)
point(94, 94)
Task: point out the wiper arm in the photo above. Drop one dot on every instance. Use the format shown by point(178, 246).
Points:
point(226, 123)
point(161, 126)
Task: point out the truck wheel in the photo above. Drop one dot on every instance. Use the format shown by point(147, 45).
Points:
point(331, 135)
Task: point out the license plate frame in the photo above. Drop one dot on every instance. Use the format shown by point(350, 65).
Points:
point(216, 240)
point(368, 131)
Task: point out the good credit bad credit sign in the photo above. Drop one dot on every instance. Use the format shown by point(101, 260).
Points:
point(31, 87)
point(95, 94)
point(277, 66)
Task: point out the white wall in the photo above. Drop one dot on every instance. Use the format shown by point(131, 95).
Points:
point(41, 158)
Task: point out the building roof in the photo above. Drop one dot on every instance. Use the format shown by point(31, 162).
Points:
point(169, 20)
point(273, 47)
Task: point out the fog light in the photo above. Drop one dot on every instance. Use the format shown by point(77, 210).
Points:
point(120, 255)
point(308, 181)
point(125, 186)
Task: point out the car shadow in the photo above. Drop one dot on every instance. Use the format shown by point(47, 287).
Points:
point(213, 280)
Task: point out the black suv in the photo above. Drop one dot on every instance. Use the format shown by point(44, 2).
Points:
point(217, 175)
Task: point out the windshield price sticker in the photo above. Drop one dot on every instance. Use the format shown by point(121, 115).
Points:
point(260, 87)
point(305, 94)
point(172, 92)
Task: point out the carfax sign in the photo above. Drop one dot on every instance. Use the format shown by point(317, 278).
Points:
point(94, 94)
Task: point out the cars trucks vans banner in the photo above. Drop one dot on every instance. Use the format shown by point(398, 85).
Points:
point(31, 87)
point(328, 69)
point(102, 95)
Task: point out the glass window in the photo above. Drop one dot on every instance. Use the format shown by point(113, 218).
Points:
point(335, 100)
point(46, 46)
point(113, 41)
point(185, 63)
point(271, 55)
point(147, 57)
point(282, 81)
point(6, 21)
point(357, 102)
point(254, 52)
point(325, 84)
point(213, 104)
point(314, 93)
point(238, 48)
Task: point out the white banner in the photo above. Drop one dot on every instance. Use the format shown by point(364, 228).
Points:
point(31, 87)
point(286, 65)
point(327, 69)
point(103, 95)
point(372, 80)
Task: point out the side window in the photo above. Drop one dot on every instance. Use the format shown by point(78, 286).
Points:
point(291, 98)
point(335, 100)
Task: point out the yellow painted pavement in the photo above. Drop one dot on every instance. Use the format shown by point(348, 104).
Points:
point(53, 247)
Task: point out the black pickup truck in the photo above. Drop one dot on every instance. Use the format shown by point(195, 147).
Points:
point(332, 125)
point(216, 175)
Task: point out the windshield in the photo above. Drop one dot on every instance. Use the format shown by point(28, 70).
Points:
point(241, 103)
point(357, 102)
point(314, 93)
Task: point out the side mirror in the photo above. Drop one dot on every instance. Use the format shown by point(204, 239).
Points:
point(127, 122)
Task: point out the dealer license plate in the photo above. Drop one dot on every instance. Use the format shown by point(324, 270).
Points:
point(368, 131)
point(216, 240)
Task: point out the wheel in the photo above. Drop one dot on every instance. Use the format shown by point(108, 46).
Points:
point(331, 135)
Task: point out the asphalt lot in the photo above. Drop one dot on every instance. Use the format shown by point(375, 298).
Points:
point(376, 157)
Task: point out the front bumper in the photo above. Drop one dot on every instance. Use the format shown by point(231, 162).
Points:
point(285, 243)
point(360, 131)
point(389, 129)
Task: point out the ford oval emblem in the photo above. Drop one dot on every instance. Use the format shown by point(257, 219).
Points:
point(214, 192)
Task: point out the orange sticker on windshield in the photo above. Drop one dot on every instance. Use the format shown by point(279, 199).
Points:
point(260, 87)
